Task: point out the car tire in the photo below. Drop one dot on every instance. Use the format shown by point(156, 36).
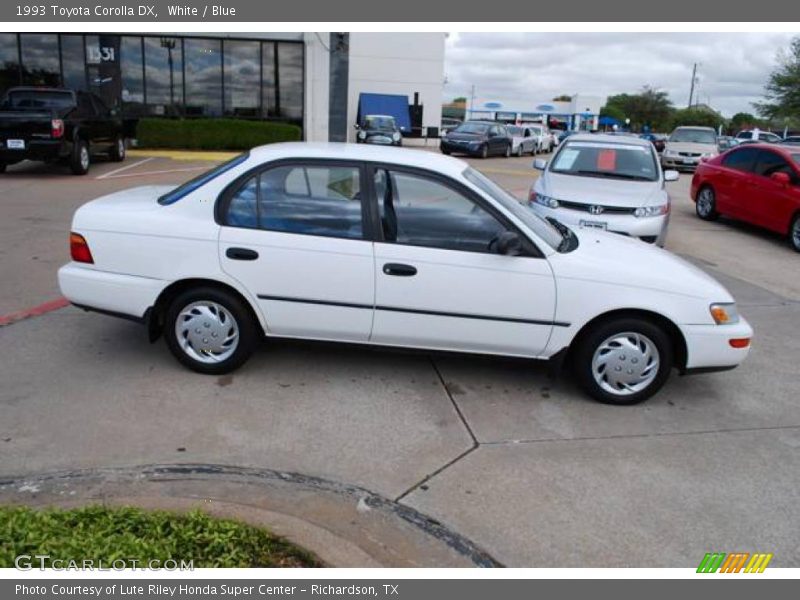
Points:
point(445, 152)
point(215, 313)
point(508, 151)
point(623, 361)
point(794, 233)
point(705, 204)
point(3, 167)
point(485, 151)
point(80, 159)
point(519, 151)
point(117, 151)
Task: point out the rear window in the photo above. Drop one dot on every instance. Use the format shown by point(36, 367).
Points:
point(38, 100)
point(202, 179)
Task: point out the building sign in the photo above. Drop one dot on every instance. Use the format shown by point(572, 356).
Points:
point(100, 54)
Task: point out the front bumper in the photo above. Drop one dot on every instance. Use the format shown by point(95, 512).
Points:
point(680, 163)
point(471, 148)
point(708, 346)
point(652, 230)
point(127, 295)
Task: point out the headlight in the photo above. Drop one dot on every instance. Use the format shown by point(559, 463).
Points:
point(708, 155)
point(724, 313)
point(547, 201)
point(475, 144)
point(670, 153)
point(651, 211)
point(396, 136)
point(362, 135)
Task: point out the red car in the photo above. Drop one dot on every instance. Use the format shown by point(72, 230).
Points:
point(756, 183)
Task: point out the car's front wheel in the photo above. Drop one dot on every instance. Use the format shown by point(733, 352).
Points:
point(519, 150)
point(706, 204)
point(80, 158)
point(117, 151)
point(508, 151)
point(623, 361)
point(794, 233)
point(210, 331)
point(485, 151)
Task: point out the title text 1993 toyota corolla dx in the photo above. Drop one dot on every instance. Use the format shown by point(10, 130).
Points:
point(398, 248)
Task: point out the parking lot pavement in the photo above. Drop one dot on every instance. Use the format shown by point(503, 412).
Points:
point(521, 463)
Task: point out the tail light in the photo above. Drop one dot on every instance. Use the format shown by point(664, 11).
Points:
point(739, 342)
point(57, 128)
point(79, 249)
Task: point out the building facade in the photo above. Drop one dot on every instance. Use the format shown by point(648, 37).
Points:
point(310, 79)
point(581, 113)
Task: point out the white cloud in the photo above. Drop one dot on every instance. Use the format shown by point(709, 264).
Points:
point(528, 68)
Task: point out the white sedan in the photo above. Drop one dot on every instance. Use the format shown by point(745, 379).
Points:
point(392, 247)
point(606, 182)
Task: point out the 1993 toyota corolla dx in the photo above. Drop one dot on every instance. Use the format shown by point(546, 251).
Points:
point(392, 247)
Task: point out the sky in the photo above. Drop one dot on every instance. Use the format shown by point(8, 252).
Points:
point(530, 68)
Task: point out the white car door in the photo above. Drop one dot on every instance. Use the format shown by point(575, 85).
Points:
point(440, 285)
point(294, 235)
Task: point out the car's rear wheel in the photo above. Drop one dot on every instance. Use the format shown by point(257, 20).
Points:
point(485, 151)
point(445, 152)
point(623, 361)
point(706, 204)
point(117, 151)
point(210, 331)
point(80, 158)
point(508, 150)
point(794, 233)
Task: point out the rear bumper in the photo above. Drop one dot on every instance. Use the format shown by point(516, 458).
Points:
point(708, 346)
point(36, 150)
point(122, 295)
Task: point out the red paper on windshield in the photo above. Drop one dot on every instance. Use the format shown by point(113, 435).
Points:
point(606, 160)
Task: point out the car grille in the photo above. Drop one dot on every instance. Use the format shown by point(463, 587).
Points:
point(616, 210)
point(689, 154)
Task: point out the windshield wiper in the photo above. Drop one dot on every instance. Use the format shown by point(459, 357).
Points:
point(614, 175)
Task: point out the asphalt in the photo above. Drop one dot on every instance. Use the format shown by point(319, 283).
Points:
point(518, 466)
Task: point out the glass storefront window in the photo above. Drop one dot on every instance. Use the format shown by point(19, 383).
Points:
point(290, 80)
point(103, 69)
point(73, 62)
point(132, 70)
point(163, 59)
point(9, 61)
point(203, 77)
point(242, 78)
point(40, 59)
point(268, 89)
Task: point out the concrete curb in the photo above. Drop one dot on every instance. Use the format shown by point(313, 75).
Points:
point(344, 525)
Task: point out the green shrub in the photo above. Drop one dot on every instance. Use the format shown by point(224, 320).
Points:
point(213, 134)
point(107, 534)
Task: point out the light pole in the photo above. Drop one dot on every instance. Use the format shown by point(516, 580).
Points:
point(169, 44)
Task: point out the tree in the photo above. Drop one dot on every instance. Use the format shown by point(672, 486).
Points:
point(650, 107)
point(613, 111)
point(563, 98)
point(782, 92)
point(460, 100)
point(743, 120)
point(699, 117)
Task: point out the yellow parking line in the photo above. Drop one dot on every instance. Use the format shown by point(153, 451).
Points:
point(184, 154)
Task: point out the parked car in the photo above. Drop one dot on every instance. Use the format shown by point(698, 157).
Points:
point(605, 182)
point(792, 140)
point(756, 183)
point(448, 124)
point(562, 135)
point(659, 140)
point(523, 140)
point(379, 129)
point(544, 141)
point(687, 145)
point(477, 138)
point(58, 125)
point(392, 247)
point(752, 136)
point(726, 142)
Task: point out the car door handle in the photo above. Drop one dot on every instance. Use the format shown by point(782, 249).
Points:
point(241, 254)
point(399, 269)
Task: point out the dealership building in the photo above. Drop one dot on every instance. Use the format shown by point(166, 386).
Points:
point(312, 79)
point(580, 113)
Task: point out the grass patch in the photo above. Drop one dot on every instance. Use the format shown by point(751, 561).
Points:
point(107, 534)
point(213, 134)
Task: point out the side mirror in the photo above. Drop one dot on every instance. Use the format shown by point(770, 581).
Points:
point(671, 175)
point(539, 164)
point(508, 243)
point(355, 126)
point(781, 178)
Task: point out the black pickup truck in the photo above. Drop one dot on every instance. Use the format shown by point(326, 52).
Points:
point(58, 125)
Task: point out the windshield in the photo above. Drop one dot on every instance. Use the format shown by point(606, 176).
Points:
point(606, 160)
point(379, 123)
point(202, 179)
point(515, 130)
point(38, 100)
point(472, 128)
point(537, 224)
point(694, 136)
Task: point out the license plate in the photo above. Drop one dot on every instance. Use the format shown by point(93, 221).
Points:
point(594, 224)
point(15, 144)
point(687, 161)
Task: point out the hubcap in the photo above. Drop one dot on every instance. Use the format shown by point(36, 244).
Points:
point(207, 332)
point(625, 363)
point(121, 147)
point(84, 158)
point(704, 203)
